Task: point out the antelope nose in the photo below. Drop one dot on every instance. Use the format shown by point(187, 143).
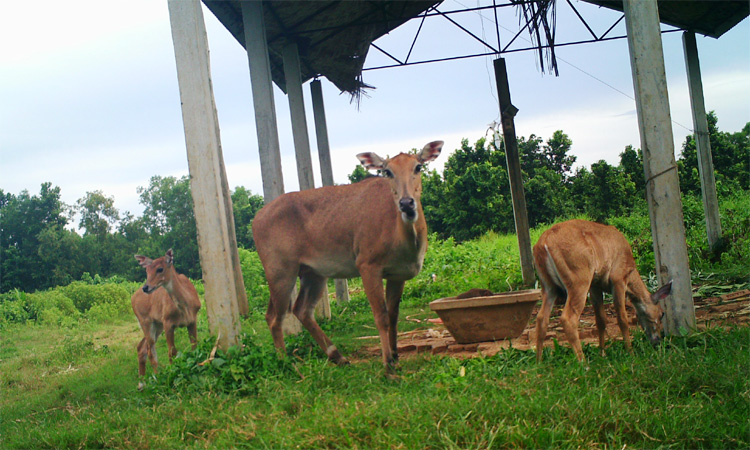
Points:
point(406, 204)
point(145, 288)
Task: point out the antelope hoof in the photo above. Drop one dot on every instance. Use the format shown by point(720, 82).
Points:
point(335, 356)
point(141, 385)
point(392, 367)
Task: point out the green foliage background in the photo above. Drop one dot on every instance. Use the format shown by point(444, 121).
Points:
point(468, 200)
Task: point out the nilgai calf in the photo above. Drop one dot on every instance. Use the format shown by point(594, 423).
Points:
point(577, 257)
point(374, 229)
point(166, 301)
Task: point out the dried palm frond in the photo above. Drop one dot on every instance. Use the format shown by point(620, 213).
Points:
point(540, 17)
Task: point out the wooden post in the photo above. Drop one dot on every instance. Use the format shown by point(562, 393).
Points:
point(265, 116)
point(662, 184)
point(326, 168)
point(208, 183)
point(702, 143)
point(293, 78)
point(508, 111)
point(265, 108)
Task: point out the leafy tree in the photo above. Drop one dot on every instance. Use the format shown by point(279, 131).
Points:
point(631, 163)
point(245, 205)
point(23, 219)
point(98, 213)
point(552, 155)
point(473, 196)
point(132, 237)
point(359, 174)
point(547, 197)
point(62, 255)
point(433, 191)
point(730, 153)
point(170, 221)
point(603, 192)
point(556, 154)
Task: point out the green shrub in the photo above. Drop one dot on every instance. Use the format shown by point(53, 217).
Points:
point(239, 370)
point(107, 312)
point(13, 307)
point(85, 295)
point(255, 280)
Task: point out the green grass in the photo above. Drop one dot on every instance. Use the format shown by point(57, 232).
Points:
point(68, 372)
point(79, 391)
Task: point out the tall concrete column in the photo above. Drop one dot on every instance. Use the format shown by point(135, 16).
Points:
point(326, 168)
point(212, 203)
point(299, 120)
point(293, 77)
point(265, 116)
point(702, 143)
point(265, 107)
point(660, 169)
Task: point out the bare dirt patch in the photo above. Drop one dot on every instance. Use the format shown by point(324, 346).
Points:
point(726, 310)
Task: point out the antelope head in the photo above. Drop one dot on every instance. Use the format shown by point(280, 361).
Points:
point(649, 311)
point(404, 173)
point(158, 271)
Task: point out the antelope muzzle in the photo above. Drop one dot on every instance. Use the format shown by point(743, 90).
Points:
point(408, 207)
point(148, 289)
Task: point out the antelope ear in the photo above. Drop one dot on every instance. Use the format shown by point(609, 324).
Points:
point(169, 257)
point(371, 161)
point(430, 151)
point(143, 261)
point(662, 293)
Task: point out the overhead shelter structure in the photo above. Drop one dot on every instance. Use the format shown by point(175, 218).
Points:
point(291, 42)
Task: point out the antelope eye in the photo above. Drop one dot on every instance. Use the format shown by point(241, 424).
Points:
point(160, 270)
point(418, 168)
point(387, 173)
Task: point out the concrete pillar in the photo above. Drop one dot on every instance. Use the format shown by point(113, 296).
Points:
point(301, 137)
point(702, 143)
point(265, 108)
point(299, 121)
point(208, 183)
point(265, 116)
point(321, 133)
point(508, 112)
point(662, 184)
point(326, 168)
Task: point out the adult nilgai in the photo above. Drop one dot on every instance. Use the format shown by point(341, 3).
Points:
point(166, 301)
point(577, 257)
point(374, 229)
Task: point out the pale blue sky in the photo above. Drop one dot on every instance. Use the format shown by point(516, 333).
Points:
point(89, 97)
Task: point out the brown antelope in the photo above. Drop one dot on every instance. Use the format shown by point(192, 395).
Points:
point(577, 257)
point(166, 301)
point(374, 229)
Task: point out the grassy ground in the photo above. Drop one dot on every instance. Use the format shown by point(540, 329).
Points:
point(68, 372)
point(76, 388)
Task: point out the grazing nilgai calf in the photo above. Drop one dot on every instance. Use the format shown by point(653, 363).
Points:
point(374, 229)
point(176, 304)
point(577, 257)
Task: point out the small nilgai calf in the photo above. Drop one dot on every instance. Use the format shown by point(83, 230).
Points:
point(577, 257)
point(166, 301)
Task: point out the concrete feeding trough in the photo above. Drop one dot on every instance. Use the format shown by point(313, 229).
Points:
point(487, 316)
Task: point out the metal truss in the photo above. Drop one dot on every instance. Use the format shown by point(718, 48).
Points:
point(496, 49)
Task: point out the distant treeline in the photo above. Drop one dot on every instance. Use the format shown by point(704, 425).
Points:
point(470, 198)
